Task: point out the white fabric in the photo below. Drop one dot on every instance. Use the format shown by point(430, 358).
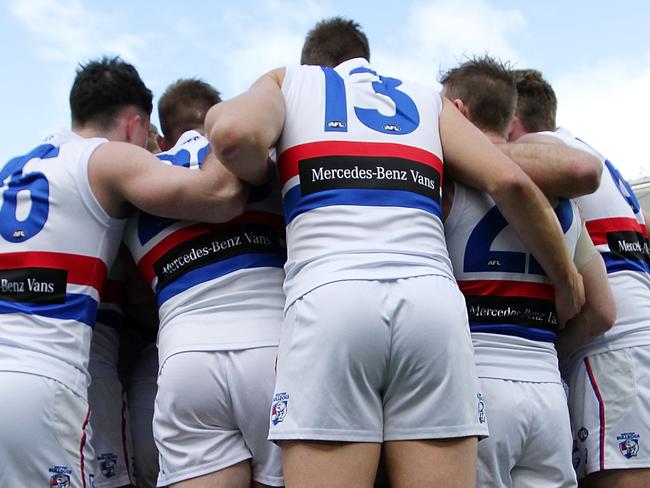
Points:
point(141, 397)
point(530, 436)
point(80, 230)
point(219, 418)
point(373, 361)
point(608, 209)
point(111, 442)
point(386, 238)
point(608, 401)
point(44, 434)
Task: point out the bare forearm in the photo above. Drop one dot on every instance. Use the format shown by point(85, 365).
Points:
point(557, 169)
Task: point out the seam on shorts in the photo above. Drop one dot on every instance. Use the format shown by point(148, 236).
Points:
point(81, 447)
point(467, 430)
point(268, 480)
point(601, 412)
point(344, 435)
point(124, 447)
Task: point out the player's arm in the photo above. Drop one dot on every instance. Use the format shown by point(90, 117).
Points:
point(599, 312)
point(646, 217)
point(242, 130)
point(556, 168)
point(472, 159)
point(123, 174)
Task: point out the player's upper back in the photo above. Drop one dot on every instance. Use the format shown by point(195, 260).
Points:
point(360, 156)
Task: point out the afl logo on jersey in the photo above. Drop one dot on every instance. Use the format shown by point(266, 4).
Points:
point(279, 407)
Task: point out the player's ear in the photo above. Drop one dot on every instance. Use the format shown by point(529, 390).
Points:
point(515, 129)
point(462, 108)
point(137, 128)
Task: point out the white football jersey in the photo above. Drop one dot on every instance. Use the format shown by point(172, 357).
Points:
point(361, 168)
point(105, 344)
point(218, 286)
point(510, 300)
point(616, 225)
point(56, 244)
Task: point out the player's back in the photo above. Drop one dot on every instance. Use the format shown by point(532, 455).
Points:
point(57, 243)
point(616, 225)
point(361, 168)
point(510, 300)
point(208, 273)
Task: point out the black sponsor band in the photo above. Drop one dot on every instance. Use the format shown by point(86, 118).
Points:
point(527, 312)
point(34, 285)
point(216, 246)
point(628, 244)
point(366, 172)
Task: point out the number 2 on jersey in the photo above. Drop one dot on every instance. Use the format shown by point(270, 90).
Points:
point(479, 256)
point(12, 182)
point(405, 120)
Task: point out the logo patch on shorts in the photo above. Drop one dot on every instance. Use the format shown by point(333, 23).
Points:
point(107, 462)
point(628, 444)
point(481, 408)
point(279, 407)
point(583, 434)
point(60, 477)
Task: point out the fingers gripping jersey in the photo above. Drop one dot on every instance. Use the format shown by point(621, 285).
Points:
point(617, 227)
point(218, 286)
point(56, 242)
point(510, 300)
point(361, 169)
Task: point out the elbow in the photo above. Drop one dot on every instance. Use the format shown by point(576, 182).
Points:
point(602, 320)
point(588, 175)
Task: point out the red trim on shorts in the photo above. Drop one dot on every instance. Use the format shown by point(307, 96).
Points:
point(601, 412)
point(124, 447)
point(81, 447)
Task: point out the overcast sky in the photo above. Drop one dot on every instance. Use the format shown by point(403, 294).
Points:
point(595, 53)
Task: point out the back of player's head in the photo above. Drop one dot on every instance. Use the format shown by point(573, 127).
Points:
point(183, 107)
point(102, 88)
point(537, 104)
point(333, 41)
point(486, 86)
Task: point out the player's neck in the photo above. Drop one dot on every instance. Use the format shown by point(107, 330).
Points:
point(495, 137)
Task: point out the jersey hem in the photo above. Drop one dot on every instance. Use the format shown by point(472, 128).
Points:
point(195, 472)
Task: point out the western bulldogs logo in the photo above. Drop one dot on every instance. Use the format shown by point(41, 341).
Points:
point(107, 462)
point(60, 477)
point(279, 407)
point(481, 408)
point(583, 434)
point(628, 444)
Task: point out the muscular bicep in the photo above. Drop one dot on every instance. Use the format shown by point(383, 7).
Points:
point(130, 175)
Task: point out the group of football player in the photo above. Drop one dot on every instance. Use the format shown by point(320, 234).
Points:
point(282, 289)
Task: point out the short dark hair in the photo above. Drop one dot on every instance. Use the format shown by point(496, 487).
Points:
point(105, 86)
point(183, 106)
point(487, 88)
point(537, 104)
point(333, 41)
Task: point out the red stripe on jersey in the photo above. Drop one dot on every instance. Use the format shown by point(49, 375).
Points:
point(145, 265)
point(505, 288)
point(113, 292)
point(289, 159)
point(598, 229)
point(82, 270)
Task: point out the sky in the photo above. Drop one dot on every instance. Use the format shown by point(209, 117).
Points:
point(596, 54)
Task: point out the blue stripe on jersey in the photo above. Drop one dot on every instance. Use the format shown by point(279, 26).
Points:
point(295, 203)
point(110, 318)
point(216, 270)
point(532, 333)
point(615, 263)
point(82, 308)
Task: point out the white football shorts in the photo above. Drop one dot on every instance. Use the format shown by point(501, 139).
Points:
point(111, 441)
point(609, 401)
point(211, 413)
point(530, 436)
point(373, 361)
point(44, 433)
